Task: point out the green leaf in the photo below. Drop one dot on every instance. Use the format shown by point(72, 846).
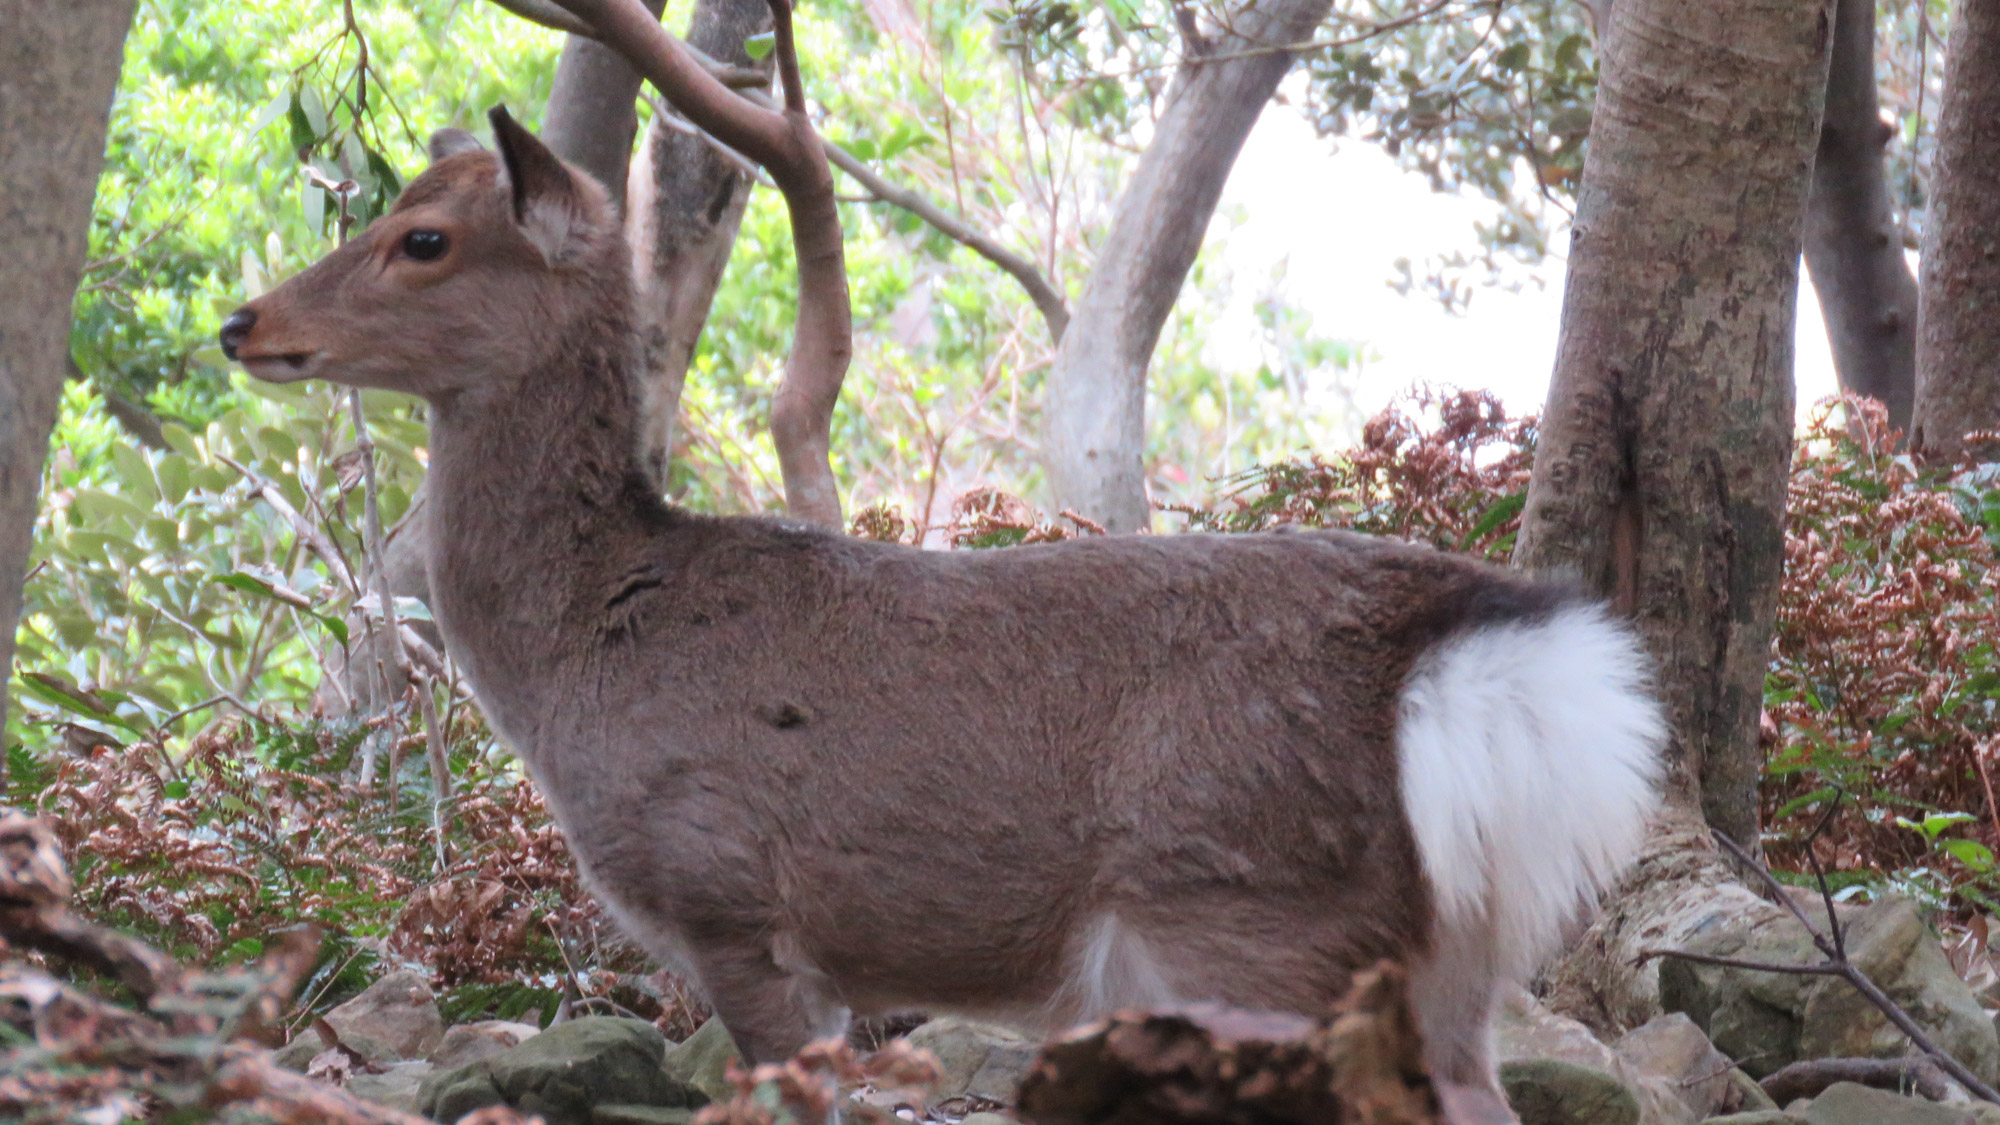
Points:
point(1567, 51)
point(760, 46)
point(1503, 509)
point(1971, 853)
point(1514, 58)
point(66, 695)
point(273, 109)
point(175, 790)
point(302, 135)
point(315, 110)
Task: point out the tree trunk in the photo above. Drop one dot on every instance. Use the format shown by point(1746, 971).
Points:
point(1660, 475)
point(591, 118)
point(1094, 412)
point(1958, 333)
point(686, 207)
point(58, 69)
point(1864, 283)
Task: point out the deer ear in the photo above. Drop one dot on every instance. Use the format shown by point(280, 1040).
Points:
point(451, 142)
point(548, 206)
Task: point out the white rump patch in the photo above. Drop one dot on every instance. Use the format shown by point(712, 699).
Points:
point(1114, 970)
point(1530, 759)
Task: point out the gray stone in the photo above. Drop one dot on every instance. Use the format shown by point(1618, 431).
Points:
point(980, 1060)
point(1552, 1092)
point(1757, 1117)
point(448, 1095)
point(1846, 1103)
point(398, 1010)
point(1673, 1048)
point(703, 1061)
point(470, 1042)
point(564, 1074)
point(988, 1119)
point(1773, 1019)
point(300, 1052)
point(398, 1087)
point(639, 1115)
point(1751, 1096)
point(1529, 1031)
point(295, 1055)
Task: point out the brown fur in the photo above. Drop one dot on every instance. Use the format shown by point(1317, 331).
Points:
point(820, 773)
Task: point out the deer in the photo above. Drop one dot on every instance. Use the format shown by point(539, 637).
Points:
point(824, 777)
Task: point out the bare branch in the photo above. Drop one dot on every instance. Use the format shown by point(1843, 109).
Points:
point(748, 82)
point(1836, 964)
point(1810, 1078)
point(1055, 313)
point(786, 144)
point(549, 14)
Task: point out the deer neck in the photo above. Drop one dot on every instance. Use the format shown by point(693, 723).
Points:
point(537, 494)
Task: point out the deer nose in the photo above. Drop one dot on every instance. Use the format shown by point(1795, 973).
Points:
point(237, 329)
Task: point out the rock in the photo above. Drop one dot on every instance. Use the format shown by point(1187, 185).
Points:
point(1846, 1103)
point(565, 1074)
point(979, 1060)
point(1552, 1092)
point(398, 1087)
point(703, 1061)
point(639, 1115)
point(470, 1042)
point(1529, 1032)
point(295, 1055)
point(398, 1010)
point(1771, 1019)
point(1757, 1117)
point(987, 1119)
point(448, 1095)
point(1673, 1048)
point(300, 1052)
point(1752, 1096)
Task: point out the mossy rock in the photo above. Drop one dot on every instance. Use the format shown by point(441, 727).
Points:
point(1551, 1092)
point(566, 1073)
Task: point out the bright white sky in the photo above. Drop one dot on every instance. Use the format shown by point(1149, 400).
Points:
point(1339, 220)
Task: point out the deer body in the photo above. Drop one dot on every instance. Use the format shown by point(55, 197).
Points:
point(821, 775)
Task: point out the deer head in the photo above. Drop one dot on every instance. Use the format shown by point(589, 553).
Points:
point(442, 281)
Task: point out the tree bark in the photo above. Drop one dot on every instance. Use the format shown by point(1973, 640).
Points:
point(1659, 478)
point(1094, 411)
point(1864, 283)
point(591, 117)
point(687, 204)
point(58, 70)
point(1958, 333)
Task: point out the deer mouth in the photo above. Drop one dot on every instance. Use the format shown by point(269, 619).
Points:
point(280, 367)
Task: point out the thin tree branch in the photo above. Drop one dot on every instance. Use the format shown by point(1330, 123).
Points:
point(1055, 313)
point(748, 83)
point(786, 144)
point(1809, 1078)
point(1836, 963)
point(550, 15)
point(1647, 955)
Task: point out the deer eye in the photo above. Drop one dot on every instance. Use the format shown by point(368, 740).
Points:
point(426, 245)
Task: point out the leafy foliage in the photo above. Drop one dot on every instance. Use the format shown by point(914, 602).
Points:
point(1883, 680)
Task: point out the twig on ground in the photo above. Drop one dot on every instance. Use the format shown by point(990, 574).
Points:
point(1810, 1078)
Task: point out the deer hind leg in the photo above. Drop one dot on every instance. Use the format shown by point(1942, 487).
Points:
point(772, 1001)
point(1454, 993)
